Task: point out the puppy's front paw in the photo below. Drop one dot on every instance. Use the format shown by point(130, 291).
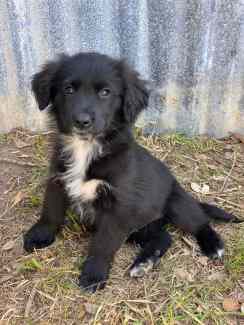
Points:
point(38, 236)
point(94, 275)
point(105, 196)
point(210, 242)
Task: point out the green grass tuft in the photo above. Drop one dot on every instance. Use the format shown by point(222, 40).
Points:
point(3, 138)
point(73, 221)
point(235, 264)
point(34, 201)
point(40, 147)
point(31, 265)
point(195, 144)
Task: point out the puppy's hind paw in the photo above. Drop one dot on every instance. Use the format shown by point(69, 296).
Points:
point(141, 269)
point(143, 266)
point(210, 242)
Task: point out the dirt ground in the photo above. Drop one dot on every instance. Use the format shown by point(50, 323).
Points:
point(186, 288)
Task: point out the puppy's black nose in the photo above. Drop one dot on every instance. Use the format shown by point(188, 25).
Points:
point(83, 121)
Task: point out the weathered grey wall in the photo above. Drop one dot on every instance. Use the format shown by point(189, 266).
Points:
point(193, 50)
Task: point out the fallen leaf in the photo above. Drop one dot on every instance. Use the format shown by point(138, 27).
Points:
point(20, 144)
point(238, 136)
point(220, 276)
point(228, 147)
point(184, 275)
point(231, 304)
point(242, 308)
point(218, 178)
point(212, 167)
point(9, 245)
point(228, 155)
point(201, 156)
point(24, 156)
point(242, 147)
point(241, 298)
point(238, 294)
point(200, 309)
point(91, 308)
point(5, 278)
point(203, 260)
point(18, 198)
point(200, 189)
point(205, 189)
point(82, 312)
point(196, 187)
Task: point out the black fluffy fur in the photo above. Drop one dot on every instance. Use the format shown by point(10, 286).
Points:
point(143, 195)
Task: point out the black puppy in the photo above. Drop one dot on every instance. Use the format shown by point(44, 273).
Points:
point(100, 170)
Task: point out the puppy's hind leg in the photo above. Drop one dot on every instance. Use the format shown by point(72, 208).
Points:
point(186, 213)
point(154, 242)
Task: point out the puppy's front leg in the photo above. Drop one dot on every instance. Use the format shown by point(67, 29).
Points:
point(103, 246)
point(43, 233)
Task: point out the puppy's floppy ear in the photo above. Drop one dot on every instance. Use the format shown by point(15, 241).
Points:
point(136, 94)
point(42, 82)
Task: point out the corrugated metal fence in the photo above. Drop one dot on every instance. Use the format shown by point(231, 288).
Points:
point(193, 50)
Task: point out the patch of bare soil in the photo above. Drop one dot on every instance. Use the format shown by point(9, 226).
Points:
point(186, 288)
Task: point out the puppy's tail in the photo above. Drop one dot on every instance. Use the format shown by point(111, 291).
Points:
point(218, 214)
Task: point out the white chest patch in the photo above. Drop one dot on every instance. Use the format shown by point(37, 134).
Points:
point(80, 153)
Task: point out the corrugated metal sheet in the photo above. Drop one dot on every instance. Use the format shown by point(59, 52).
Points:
point(193, 50)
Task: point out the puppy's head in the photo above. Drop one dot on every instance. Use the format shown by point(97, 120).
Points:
point(90, 93)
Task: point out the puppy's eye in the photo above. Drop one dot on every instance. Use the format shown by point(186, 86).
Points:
point(69, 90)
point(105, 92)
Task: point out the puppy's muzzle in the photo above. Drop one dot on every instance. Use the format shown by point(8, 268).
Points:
point(83, 121)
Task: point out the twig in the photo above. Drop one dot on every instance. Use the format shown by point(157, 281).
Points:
point(97, 312)
point(230, 202)
point(16, 162)
point(10, 310)
point(138, 301)
point(229, 174)
point(30, 300)
point(9, 208)
point(13, 182)
point(166, 154)
point(5, 278)
point(45, 295)
point(190, 158)
point(148, 306)
point(188, 242)
point(189, 313)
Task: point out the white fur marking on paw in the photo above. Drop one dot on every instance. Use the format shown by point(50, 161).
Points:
point(141, 269)
point(220, 252)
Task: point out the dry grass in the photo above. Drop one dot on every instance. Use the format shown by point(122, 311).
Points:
point(186, 288)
